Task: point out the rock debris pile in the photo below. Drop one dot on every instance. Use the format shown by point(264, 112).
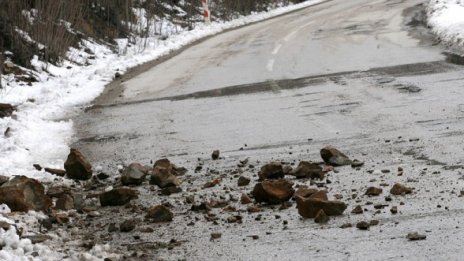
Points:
point(136, 200)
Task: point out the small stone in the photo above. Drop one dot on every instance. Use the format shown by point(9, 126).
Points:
point(357, 210)
point(321, 217)
point(164, 174)
point(77, 167)
point(273, 191)
point(56, 172)
point(253, 209)
point(307, 169)
point(394, 209)
point(245, 199)
point(346, 225)
point(309, 207)
point(117, 197)
point(212, 183)
point(356, 163)
point(273, 170)
point(112, 228)
point(170, 190)
point(215, 236)
point(6, 110)
point(399, 189)
point(243, 181)
point(373, 191)
point(134, 174)
point(334, 157)
point(414, 236)
point(304, 192)
point(65, 202)
point(37, 167)
point(374, 222)
point(215, 155)
point(363, 225)
point(159, 214)
point(127, 225)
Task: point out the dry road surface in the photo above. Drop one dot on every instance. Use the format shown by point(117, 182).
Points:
point(364, 76)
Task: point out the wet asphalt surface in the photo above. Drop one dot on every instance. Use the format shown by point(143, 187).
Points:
point(363, 76)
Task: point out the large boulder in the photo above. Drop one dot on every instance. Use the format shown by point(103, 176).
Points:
point(333, 156)
point(308, 170)
point(23, 194)
point(310, 207)
point(134, 174)
point(77, 166)
point(272, 170)
point(273, 191)
point(117, 197)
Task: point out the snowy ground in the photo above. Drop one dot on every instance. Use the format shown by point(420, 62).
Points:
point(446, 18)
point(40, 131)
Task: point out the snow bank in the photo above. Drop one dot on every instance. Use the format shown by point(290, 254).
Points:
point(41, 131)
point(446, 17)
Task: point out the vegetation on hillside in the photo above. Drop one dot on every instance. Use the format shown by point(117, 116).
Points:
point(48, 28)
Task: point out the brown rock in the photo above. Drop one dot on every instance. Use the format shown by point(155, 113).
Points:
point(253, 209)
point(357, 210)
point(215, 236)
point(117, 197)
point(399, 189)
point(77, 167)
point(37, 167)
point(363, 225)
point(373, 191)
point(15, 199)
point(212, 183)
point(273, 191)
point(134, 174)
point(308, 170)
point(304, 192)
point(65, 202)
point(243, 181)
point(309, 207)
point(215, 155)
point(164, 174)
point(321, 217)
point(394, 210)
point(346, 225)
point(334, 157)
point(159, 214)
point(321, 194)
point(57, 172)
point(22, 194)
point(414, 236)
point(273, 170)
point(170, 190)
point(244, 199)
point(128, 225)
point(356, 163)
point(6, 110)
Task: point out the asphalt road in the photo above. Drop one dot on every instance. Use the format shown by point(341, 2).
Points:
point(364, 76)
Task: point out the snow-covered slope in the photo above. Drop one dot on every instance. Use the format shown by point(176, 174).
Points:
point(446, 17)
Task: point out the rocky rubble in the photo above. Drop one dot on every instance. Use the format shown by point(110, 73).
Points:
point(206, 196)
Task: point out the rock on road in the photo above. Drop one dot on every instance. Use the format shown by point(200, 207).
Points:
point(364, 76)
